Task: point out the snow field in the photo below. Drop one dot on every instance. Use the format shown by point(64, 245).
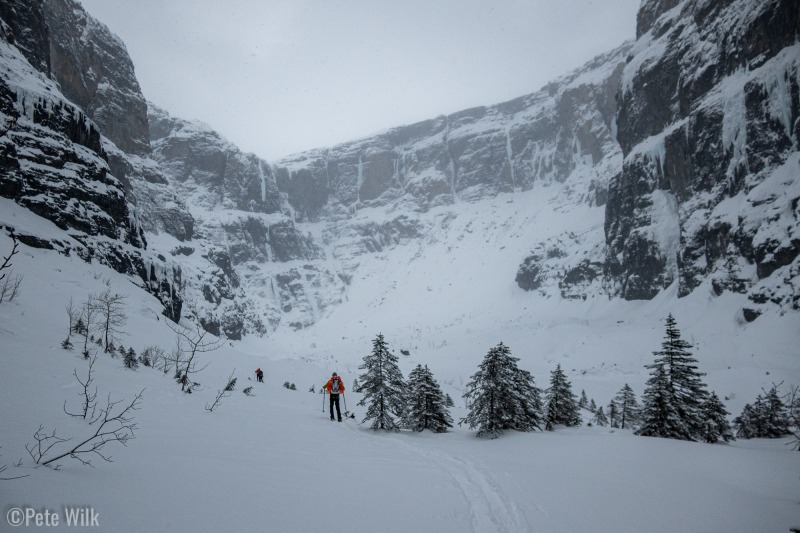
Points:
point(274, 462)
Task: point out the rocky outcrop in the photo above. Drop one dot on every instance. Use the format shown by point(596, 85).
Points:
point(545, 137)
point(53, 161)
point(708, 112)
point(209, 169)
point(93, 68)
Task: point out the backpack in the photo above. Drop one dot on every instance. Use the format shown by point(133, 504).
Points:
point(335, 385)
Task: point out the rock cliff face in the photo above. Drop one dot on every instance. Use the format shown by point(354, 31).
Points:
point(98, 77)
point(680, 151)
point(564, 129)
point(54, 159)
point(708, 124)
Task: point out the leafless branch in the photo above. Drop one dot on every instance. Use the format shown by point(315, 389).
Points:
point(224, 393)
point(7, 259)
point(5, 467)
point(89, 400)
point(43, 444)
point(110, 428)
point(111, 308)
point(191, 343)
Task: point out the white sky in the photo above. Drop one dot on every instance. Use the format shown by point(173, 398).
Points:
point(277, 78)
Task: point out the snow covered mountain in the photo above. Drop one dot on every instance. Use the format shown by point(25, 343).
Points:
point(661, 177)
point(674, 157)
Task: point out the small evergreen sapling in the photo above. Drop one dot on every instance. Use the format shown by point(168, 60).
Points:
point(766, 418)
point(129, 359)
point(627, 408)
point(583, 403)
point(716, 420)
point(561, 405)
point(448, 401)
point(600, 417)
point(745, 423)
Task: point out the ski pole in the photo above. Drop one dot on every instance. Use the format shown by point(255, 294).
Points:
point(345, 402)
point(323, 400)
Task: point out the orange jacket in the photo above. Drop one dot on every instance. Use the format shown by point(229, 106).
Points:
point(329, 384)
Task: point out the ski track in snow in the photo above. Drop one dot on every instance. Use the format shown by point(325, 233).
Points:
point(490, 508)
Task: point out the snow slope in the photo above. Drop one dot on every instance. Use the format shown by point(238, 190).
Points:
point(273, 462)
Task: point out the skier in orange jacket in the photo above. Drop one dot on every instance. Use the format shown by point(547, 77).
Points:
point(334, 386)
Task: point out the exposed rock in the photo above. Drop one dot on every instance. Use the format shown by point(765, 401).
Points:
point(95, 72)
point(704, 125)
point(547, 136)
point(210, 170)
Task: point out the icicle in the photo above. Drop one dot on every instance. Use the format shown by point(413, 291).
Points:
point(263, 181)
point(360, 176)
point(510, 156)
point(779, 98)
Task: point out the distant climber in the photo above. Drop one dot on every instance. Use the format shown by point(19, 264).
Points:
point(259, 375)
point(334, 386)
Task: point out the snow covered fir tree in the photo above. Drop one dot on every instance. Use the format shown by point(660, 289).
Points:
point(717, 428)
point(626, 409)
point(675, 392)
point(561, 406)
point(383, 387)
point(426, 405)
point(501, 396)
point(766, 418)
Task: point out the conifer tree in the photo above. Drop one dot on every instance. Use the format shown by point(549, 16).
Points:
point(659, 416)
point(600, 417)
point(592, 405)
point(129, 358)
point(584, 401)
point(716, 420)
point(766, 418)
point(501, 396)
point(145, 358)
point(79, 328)
point(674, 392)
point(774, 414)
point(745, 423)
point(613, 414)
point(561, 404)
point(627, 408)
point(448, 401)
point(427, 406)
point(382, 385)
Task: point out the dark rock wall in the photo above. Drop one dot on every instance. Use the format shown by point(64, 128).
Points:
point(707, 118)
point(94, 71)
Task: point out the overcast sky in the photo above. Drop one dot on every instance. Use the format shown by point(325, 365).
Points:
point(280, 77)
